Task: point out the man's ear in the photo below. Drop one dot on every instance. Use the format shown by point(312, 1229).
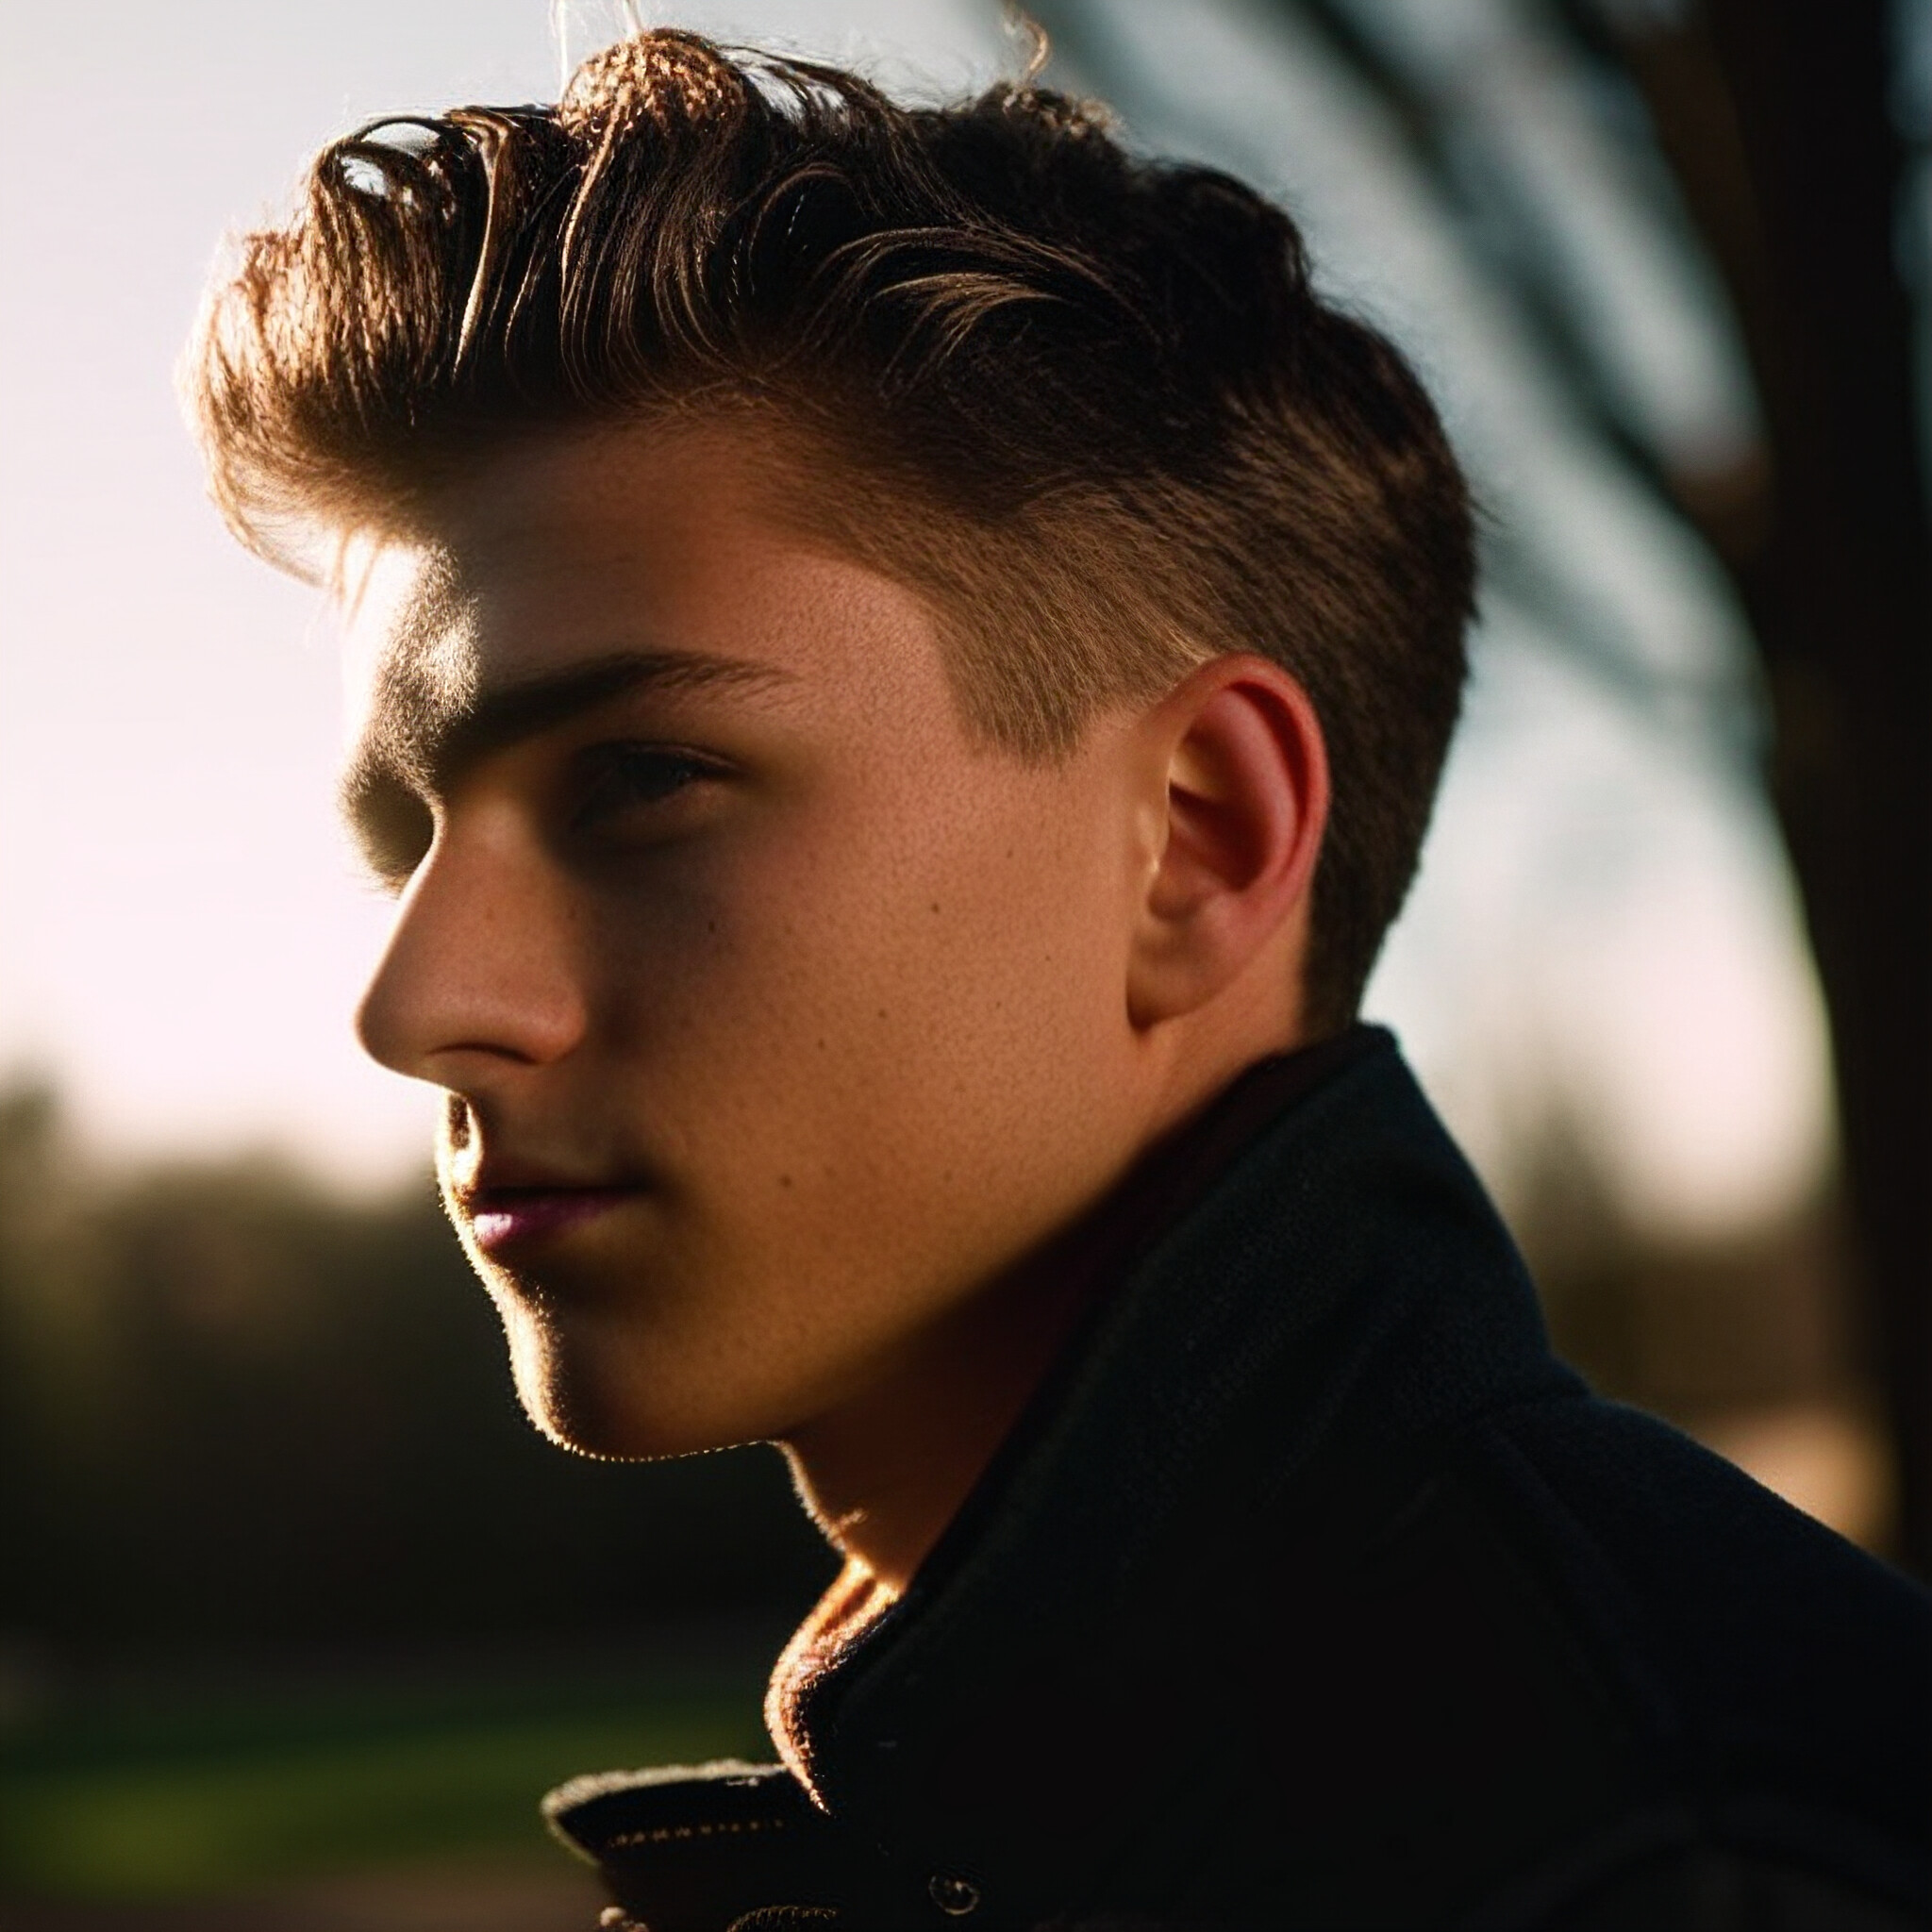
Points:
point(1241, 772)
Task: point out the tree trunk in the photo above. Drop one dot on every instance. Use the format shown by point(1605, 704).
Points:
point(1775, 116)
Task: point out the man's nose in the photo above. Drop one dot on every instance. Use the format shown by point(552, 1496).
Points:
point(479, 974)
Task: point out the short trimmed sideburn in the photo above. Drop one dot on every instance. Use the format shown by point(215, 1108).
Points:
point(1090, 404)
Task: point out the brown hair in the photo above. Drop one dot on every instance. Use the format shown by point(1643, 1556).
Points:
point(1110, 376)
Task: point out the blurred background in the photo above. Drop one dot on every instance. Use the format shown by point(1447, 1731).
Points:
point(296, 1615)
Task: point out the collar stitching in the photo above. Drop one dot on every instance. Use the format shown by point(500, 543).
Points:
point(667, 1834)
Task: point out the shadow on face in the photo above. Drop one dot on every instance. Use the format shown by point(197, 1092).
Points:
point(777, 1013)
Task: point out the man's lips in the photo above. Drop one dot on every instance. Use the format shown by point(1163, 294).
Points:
point(501, 1218)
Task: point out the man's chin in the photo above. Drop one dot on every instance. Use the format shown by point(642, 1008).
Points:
point(580, 1413)
point(585, 1395)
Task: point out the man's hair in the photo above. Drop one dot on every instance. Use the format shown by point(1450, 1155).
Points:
point(1090, 404)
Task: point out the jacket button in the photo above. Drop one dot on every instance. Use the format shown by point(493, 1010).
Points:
point(955, 1897)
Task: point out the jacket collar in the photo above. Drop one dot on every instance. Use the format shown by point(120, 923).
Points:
point(1341, 1284)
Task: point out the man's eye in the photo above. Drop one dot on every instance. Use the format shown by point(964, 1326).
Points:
point(617, 778)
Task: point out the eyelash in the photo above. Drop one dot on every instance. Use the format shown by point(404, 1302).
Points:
point(620, 777)
point(397, 825)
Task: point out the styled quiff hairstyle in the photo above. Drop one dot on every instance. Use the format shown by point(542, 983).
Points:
point(1090, 405)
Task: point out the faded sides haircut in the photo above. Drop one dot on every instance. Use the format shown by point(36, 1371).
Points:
point(1089, 403)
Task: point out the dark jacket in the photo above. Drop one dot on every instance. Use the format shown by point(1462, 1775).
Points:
point(1314, 1591)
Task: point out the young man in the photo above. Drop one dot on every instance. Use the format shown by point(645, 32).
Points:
point(903, 661)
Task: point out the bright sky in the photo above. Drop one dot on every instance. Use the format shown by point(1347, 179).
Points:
point(182, 930)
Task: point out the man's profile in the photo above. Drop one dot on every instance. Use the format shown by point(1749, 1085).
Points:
point(904, 661)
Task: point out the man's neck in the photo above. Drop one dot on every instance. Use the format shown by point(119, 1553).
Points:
point(885, 1474)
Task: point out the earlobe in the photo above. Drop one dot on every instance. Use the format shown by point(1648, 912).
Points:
point(1238, 753)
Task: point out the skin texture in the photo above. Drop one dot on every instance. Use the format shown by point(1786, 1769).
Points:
point(790, 1035)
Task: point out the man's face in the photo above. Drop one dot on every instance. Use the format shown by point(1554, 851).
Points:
point(778, 1016)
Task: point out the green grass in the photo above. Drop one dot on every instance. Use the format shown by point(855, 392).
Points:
point(133, 1797)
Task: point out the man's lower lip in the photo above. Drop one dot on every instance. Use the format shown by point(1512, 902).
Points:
point(510, 1221)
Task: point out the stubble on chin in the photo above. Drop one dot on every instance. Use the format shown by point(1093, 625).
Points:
point(585, 1388)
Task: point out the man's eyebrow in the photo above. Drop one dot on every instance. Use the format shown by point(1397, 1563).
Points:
point(420, 739)
point(510, 713)
point(434, 741)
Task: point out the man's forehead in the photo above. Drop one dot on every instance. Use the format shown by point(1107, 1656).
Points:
point(513, 581)
point(431, 631)
point(566, 571)
point(536, 555)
